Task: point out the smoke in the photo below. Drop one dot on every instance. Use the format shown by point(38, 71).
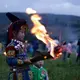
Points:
point(69, 34)
point(63, 33)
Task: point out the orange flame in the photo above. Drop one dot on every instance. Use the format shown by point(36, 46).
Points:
point(40, 31)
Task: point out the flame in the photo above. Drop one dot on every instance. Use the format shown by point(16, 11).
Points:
point(30, 11)
point(40, 31)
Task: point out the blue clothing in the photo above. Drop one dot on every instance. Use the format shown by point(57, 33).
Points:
point(35, 44)
point(17, 60)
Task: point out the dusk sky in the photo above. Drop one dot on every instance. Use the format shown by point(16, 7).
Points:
point(70, 7)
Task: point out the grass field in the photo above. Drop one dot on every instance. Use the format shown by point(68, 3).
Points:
point(57, 70)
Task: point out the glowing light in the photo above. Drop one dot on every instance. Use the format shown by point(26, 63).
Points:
point(40, 31)
point(5, 53)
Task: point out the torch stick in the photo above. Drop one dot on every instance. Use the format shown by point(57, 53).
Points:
point(45, 55)
point(38, 57)
point(41, 56)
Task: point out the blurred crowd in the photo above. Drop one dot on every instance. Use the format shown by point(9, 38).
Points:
point(69, 48)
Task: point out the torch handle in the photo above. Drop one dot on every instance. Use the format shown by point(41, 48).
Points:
point(41, 56)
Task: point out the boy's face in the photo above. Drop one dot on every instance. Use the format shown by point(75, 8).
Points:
point(21, 34)
point(40, 63)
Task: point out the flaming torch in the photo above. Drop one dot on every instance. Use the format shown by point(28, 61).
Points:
point(40, 32)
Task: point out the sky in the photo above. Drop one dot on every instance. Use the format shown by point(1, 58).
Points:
point(68, 7)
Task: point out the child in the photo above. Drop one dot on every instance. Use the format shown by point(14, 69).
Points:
point(15, 53)
point(39, 73)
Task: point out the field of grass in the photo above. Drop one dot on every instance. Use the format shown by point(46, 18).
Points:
point(57, 69)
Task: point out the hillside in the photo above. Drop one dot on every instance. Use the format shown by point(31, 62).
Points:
point(64, 26)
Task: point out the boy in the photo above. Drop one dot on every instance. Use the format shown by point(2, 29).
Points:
point(39, 73)
point(15, 50)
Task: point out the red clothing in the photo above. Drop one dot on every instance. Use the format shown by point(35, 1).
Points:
point(64, 47)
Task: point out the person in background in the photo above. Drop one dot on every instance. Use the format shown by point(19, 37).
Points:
point(35, 46)
point(64, 50)
point(69, 50)
point(78, 51)
point(1, 48)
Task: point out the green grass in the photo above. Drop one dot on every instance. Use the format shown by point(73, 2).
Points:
point(57, 69)
point(4, 69)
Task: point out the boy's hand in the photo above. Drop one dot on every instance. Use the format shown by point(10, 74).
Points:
point(27, 61)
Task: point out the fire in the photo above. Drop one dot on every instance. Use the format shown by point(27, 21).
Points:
point(40, 31)
point(30, 11)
